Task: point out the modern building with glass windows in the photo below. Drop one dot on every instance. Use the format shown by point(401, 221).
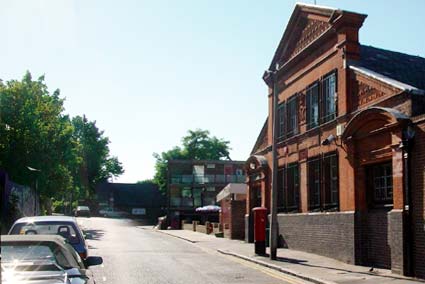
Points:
point(196, 183)
point(350, 136)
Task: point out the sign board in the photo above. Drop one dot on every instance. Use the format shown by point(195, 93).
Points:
point(138, 211)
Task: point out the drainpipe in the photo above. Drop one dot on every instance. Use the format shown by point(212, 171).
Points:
point(273, 203)
point(406, 146)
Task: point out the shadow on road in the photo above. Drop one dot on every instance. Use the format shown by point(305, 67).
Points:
point(94, 234)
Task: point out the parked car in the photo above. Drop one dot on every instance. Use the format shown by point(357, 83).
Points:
point(82, 211)
point(64, 226)
point(43, 259)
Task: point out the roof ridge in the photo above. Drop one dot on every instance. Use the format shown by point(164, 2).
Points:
point(392, 51)
point(302, 4)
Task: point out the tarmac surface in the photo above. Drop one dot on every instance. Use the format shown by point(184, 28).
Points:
point(137, 254)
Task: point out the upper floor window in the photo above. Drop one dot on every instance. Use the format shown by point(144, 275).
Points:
point(329, 97)
point(281, 113)
point(292, 114)
point(313, 105)
point(322, 186)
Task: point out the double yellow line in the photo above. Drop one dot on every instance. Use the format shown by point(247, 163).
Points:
point(268, 271)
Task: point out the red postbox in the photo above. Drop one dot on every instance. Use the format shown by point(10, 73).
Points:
point(260, 220)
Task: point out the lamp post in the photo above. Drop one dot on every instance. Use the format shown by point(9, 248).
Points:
point(273, 203)
point(35, 188)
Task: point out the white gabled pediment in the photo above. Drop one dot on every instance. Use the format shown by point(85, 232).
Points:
point(308, 23)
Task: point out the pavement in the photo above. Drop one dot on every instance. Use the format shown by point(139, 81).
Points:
point(306, 266)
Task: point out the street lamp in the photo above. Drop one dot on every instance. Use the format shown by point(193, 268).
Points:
point(35, 189)
point(273, 203)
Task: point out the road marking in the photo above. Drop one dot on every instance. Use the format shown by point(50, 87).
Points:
point(268, 271)
point(271, 272)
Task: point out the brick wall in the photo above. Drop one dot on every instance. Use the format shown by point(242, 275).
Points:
point(378, 252)
point(327, 234)
point(237, 223)
point(225, 211)
point(418, 199)
point(396, 241)
point(187, 226)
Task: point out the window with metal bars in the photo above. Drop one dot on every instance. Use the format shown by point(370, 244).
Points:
point(288, 189)
point(321, 101)
point(380, 183)
point(281, 112)
point(329, 98)
point(292, 116)
point(312, 97)
point(323, 189)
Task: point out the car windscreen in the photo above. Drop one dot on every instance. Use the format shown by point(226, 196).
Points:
point(24, 253)
point(64, 229)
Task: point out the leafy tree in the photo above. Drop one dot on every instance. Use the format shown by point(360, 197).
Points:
point(72, 155)
point(35, 133)
point(97, 165)
point(197, 145)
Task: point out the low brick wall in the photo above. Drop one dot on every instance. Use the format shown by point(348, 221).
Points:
point(186, 226)
point(201, 229)
point(327, 234)
point(195, 226)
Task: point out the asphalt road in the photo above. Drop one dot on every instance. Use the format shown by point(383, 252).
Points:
point(132, 254)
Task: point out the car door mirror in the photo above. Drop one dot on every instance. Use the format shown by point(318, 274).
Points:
point(87, 236)
point(93, 260)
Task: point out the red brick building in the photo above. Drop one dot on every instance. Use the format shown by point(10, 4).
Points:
point(351, 145)
point(232, 201)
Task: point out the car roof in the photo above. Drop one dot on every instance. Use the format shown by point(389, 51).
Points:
point(55, 240)
point(46, 219)
point(34, 238)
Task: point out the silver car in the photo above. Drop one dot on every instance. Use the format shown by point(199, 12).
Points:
point(64, 226)
point(43, 259)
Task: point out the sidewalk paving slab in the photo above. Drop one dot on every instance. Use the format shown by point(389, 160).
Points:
point(311, 267)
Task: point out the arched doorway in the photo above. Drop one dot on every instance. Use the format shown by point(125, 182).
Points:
point(373, 138)
point(258, 183)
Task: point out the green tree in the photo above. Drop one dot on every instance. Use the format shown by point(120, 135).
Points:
point(35, 133)
point(97, 164)
point(197, 145)
point(71, 154)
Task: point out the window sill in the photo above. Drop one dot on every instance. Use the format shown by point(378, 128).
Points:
point(382, 206)
point(287, 139)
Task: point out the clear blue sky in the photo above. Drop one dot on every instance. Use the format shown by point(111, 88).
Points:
point(147, 71)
